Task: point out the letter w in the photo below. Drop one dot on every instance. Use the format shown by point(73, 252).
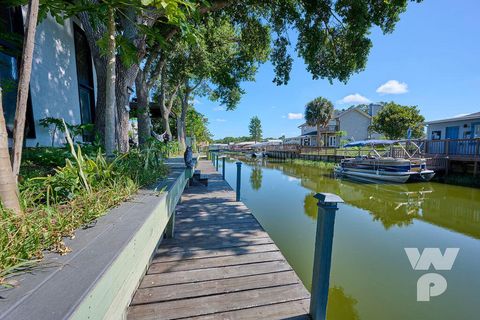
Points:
point(432, 256)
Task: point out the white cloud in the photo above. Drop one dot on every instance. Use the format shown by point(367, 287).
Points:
point(220, 120)
point(284, 117)
point(219, 108)
point(195, 101)
point(295, 116)
point(393, 87)
point(354, 99)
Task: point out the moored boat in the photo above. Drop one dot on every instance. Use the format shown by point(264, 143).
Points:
point(375, 167)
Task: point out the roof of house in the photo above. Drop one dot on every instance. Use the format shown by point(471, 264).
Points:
point(337, 114)
point(471, 116)
point(341, 114)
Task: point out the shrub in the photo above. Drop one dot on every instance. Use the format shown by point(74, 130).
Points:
point(81, 190)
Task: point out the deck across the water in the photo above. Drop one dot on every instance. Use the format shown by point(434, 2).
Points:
point(221, 264)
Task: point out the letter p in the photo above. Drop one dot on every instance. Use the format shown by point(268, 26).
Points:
point(430, 285)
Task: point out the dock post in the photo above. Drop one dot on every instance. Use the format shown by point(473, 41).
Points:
point(327, 207)
point(239, 179)
point(216, 163)
point(223, 167)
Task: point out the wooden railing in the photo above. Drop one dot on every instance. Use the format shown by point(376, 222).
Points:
point(453, 147)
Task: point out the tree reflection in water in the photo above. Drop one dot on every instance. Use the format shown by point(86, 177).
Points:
point(340, 305)
point(256, 178)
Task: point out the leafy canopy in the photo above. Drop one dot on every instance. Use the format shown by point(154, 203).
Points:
point(332, 35)
point(222, 57)
point(394, 120)
point(319, 112)
point(255, 128)
point(197, 126)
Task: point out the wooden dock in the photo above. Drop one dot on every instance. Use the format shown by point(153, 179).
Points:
point(221, 264)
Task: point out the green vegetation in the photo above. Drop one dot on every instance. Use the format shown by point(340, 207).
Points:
point(394, 120)
point(255, 129)
point(316, 164)
point(318, 113)
point(77, 192)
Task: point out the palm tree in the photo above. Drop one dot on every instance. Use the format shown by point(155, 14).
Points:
point(319, 112)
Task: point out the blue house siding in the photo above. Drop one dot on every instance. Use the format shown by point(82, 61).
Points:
point(450, 135)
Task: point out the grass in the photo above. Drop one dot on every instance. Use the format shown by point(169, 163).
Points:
point(315, 164)
point(57, 200)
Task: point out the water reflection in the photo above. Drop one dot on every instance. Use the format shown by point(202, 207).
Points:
point(452, 207)
point(256, 178)
point(371, 277)
point(340, 305)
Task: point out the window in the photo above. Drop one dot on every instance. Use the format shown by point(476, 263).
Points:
point(11, 45)
point(436, 135)
point(476, 131)
point(332, 141)
point(85, 79)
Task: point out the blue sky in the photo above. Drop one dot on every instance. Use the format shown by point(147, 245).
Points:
point(432, 60)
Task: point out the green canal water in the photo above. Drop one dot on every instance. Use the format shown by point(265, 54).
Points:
point(371, 277)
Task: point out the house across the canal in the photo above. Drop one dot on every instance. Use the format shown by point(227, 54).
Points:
point(354, 123)
point(460, 127)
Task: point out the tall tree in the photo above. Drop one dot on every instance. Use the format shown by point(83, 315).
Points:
point(318, 113)
point(255, 129)
point(110, 99)
point(24, 84)
point(8, 185)
point(197, 126)
point(215, 64)
point(394, 120)
point(332, 35)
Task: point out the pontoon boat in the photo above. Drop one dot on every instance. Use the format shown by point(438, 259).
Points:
point(376, 167)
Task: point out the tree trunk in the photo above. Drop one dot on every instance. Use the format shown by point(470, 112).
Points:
point(319, 137)
point(163, 106)
point(110, 88)
point(24, 85)
point(8, 185)
point(182, 122)
point(143, 108)
point(100, 62)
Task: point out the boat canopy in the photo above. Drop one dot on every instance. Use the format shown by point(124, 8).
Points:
point(363, 143)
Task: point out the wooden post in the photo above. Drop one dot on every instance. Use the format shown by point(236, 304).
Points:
point(327, 207)
point(223, 167)
point(447, 146)
point(216, 163)
point(170, 229)
point(239, 180)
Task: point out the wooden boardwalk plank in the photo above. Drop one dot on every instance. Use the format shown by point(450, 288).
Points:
point(185, 308)
point(292, 310)
point(229, 251)
point(159, 267)
point(221, 264)
point(163, 279)
point(207, 244)
point(206, 288)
